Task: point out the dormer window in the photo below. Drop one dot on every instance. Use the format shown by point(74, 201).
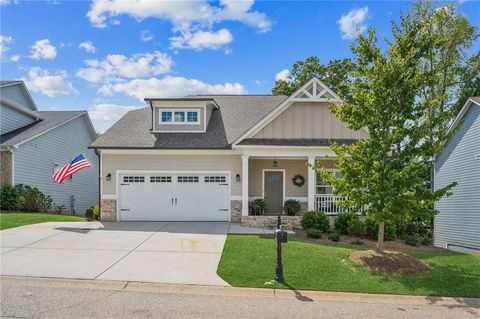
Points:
point(180, 116)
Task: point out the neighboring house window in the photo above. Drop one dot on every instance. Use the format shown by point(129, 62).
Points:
point(323, 188)
point(180, 117)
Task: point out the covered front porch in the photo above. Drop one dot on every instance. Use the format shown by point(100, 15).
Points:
point(276, 178)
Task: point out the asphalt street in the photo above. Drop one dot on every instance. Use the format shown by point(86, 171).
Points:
point(53, 298)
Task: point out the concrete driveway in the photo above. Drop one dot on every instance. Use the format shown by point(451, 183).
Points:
point(161, 252)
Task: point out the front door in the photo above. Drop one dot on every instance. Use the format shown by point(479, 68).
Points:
point(273, 190)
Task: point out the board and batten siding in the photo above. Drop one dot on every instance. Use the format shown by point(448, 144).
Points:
point(113, 162)
point(17, 94)
point(34, 165)
point(11, 120)
point(458, 223)
point(304, 120)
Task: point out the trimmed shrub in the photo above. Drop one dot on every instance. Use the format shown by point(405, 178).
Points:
point(426, 241)
point(334, 236)
point(317, 220)
point(93, 213)
point(291, 207)
point(356, 227)
point(314, 233)
point(390, 231)
point(342, 220)
point(10, 198)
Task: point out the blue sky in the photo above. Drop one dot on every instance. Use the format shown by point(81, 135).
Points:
point(107, 56)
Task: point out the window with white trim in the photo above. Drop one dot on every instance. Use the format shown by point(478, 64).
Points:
point(187, 179)
point(215, 179)
point(134, 179)
point(180, 116)
point(160, 179)
point(323, 188)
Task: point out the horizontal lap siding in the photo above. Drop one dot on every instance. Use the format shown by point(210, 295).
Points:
point(111, 163)
point(11, 120)
point(34, 160)
point(458, 222)
point(15, 93)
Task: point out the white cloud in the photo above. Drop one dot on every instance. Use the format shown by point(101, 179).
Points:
point(87, 46)
point(200, 40)
point(169, 87)
point(146, 36)
point(5, 43)
point(282, 75)
point(352, 24)
point(116, 66)
point(109, 112)
point(7, 2)
point(187, 17)
point(15, 58)
point(40, 80)
point(42, 49)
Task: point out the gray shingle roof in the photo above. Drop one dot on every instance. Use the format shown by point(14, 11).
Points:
point(235, 115)
point(50, 119)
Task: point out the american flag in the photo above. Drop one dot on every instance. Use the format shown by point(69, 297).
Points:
point(80, 162)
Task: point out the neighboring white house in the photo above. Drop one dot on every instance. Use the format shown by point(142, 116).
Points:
point(457, 226)
point(203, 158)
point(34, 144)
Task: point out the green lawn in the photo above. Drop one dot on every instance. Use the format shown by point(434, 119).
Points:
point(249, 261)
point(10, 220)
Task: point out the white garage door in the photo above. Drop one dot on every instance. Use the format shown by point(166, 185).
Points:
point(174, 197)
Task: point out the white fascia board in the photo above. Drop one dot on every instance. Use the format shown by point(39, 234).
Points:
point(168, 152)
point(289, 151)
point(460, 114)
point(50, 129)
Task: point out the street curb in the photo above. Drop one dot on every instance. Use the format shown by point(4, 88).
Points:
point(302, 295)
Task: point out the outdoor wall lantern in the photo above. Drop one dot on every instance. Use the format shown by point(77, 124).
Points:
point(275, 163)
point(237, 178)
point(109, 177)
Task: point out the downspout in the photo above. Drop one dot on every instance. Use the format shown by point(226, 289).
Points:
point(151, 108)
point(99, 181)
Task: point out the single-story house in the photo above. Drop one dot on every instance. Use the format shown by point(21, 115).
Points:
point(457, 226)
point(205, 157)
point(34, 144)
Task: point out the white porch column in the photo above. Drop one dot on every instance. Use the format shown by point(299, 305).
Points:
point(312, 180)
point(245, 185)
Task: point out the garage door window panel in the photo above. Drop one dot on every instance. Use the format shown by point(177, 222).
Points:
point(215, 179)
point(187, 179)
point(134, 179)
point(160, 179)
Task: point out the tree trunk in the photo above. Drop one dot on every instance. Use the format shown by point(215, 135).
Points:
point(381, 229)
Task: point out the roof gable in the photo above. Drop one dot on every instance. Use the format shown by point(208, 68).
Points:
point(474, 100)
point(16, 94)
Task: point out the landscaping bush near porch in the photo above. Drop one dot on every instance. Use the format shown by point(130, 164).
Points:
point(249, 261)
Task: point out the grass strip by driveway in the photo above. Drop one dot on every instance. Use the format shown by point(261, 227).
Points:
point(11, 220)
point(249, 261)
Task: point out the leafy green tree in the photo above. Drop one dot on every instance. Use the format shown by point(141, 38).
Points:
point(335, 75)
point(404, 96)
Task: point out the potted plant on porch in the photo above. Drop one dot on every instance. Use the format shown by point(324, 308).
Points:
point(291, 207)
point(258, 206)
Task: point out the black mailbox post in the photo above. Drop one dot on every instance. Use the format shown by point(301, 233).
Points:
point(281, 236)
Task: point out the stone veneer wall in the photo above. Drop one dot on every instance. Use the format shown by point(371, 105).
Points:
point(108, 210)
point(5, 167)
point(288, 222)
point(235, 211)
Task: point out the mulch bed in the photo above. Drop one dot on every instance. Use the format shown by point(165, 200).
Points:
point(367, 242)
point(388, 261)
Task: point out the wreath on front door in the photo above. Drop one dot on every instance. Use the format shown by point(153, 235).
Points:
point(298, 180)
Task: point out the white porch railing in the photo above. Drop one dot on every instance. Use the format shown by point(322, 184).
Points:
point(329, 204)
